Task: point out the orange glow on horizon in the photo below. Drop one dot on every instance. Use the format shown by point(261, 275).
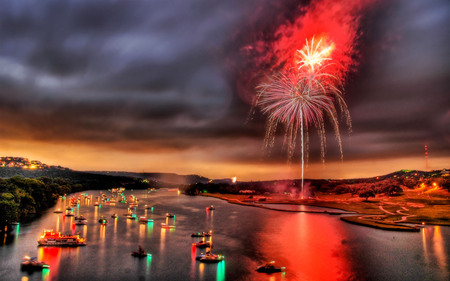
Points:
point(199, 162)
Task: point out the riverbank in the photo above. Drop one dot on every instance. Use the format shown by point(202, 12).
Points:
point(401, 213)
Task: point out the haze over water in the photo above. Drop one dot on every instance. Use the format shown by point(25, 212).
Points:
point(310, 246)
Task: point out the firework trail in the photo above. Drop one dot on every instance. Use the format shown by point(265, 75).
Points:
point(302, 97)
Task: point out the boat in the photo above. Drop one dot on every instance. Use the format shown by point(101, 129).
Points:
point(80, 218)
point(69, 209)
point(50, 238)
point(210, 208)
point(57, 211)
point(144, 220)
point(163, 225)
point(114, 216)
point(148, 207)
point(202, 234)
point(103, 220)
point(81, 222)
point(140, 253)
point(32, 264)
point(170, 215)
point(69, 214)
point(96, 204)
point(210, 258)
point(131, 217)
point(202, 244)
point(269, 268)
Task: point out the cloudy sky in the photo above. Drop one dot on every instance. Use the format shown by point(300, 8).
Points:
point(167, 86)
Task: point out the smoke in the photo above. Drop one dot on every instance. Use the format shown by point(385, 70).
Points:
point(336, 22)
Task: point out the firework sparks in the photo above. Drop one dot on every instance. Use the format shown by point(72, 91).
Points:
point(314, 55)
point(303, 97)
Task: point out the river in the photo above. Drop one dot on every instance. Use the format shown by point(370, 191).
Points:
point(310, 246)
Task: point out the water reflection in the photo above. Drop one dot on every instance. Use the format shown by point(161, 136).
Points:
point(436, 252)
point(307, 250)
point(51, 256)
point(163, 240)
point(201, 269)
point(220, 275)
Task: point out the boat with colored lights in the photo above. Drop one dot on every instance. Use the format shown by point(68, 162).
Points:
point(202, 244)
point(210, 258)
point(32, 264)
point(163, 225)
point(210, 208)
point(57, 211)
point(50, 238)
point(202, 234)
point(269, 268)
point(170, 215)
point(114, 216)
point(144, 220)
point(81, 218)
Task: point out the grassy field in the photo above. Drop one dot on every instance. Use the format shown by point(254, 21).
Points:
point(384, 212)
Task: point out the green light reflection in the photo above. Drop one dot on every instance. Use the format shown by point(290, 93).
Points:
point(220, 276)
point(45, 274)
point(149, 263)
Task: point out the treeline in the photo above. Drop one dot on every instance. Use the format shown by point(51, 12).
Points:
point(361, 187)
point(24, 198)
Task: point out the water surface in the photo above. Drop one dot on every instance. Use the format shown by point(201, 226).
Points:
point(310, 246)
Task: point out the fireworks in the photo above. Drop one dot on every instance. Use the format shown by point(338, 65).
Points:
point(302, 97)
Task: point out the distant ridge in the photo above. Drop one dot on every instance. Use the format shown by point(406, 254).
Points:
point(159, 177)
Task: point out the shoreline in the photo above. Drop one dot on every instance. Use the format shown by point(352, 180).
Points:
point(372, 220)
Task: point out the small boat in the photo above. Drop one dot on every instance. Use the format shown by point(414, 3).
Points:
point(210, 258)
point(96, 204)
point(103, 220)
point(50, 238)
point(32, 264)
point(131, 217)
point(57, 211)
point(269, 268)
point(163, 225)
point(69, 214)
point(80, 218)
point(81, 222)
point(202, 234)
point(210, 208)
point(170, 215)
point(202, 244)
point(69, 209)
point(144, 220)
point(140, 253)
point(148, 207)
point(114, 216)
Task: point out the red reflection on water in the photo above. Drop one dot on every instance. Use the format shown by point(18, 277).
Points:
point(193, 261)
point(309, 246)
point(52, 256)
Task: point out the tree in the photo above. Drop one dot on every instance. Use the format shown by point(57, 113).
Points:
point(366, 193)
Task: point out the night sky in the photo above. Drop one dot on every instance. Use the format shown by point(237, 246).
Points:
point(167, 86)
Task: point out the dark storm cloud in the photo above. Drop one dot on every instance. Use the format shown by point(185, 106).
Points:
point(399, 101)
point(168, 74)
